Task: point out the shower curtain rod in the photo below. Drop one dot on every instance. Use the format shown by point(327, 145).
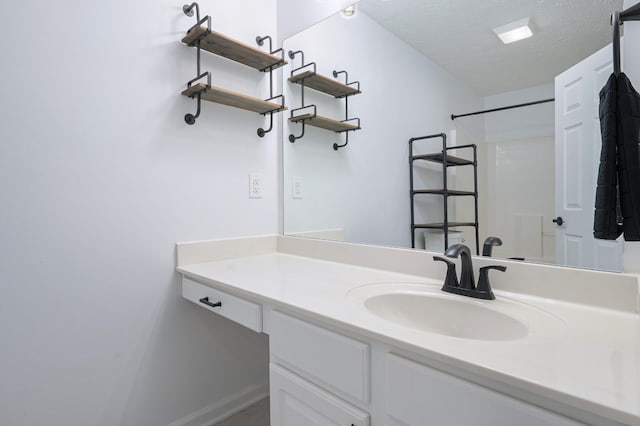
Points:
point(453, 116)
point(617, 19)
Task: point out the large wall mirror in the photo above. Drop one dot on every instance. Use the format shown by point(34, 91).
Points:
point(416, 63)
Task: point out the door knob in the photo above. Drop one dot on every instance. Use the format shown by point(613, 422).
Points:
point(559, 220)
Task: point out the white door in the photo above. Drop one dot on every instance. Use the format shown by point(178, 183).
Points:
point(296, 402)
point(578, 144)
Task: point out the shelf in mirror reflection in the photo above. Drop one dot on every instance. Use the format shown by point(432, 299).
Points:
point(440, 225)
point(451, 192)
point(324, 84)
point(324, 122)
point(438, 158)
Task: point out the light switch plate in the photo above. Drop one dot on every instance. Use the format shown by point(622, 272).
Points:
point(255, 185)
point(296, 188)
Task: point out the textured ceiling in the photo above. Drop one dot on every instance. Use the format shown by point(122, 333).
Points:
point(457, 34)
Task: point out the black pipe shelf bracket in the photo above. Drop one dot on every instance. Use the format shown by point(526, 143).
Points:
point(618, 18)
point(306, 76)
point(204, 38)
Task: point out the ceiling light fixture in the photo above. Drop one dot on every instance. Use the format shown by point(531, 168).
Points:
point(349, 11)
point(514, 31)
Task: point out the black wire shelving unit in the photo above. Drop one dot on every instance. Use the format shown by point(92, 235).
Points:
point(446, 161)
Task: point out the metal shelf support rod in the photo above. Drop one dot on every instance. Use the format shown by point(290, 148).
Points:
point(260, 41)
point(346, 107)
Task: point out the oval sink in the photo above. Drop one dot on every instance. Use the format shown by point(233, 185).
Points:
point(446, 316)
point(425, 308)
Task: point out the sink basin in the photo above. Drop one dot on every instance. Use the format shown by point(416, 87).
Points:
point(425, 308)
point(447, 316)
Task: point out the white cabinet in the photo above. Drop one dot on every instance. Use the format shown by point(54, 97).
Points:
point(336, 362)
point(417, 395)
point(323, 377)
point(296, 402)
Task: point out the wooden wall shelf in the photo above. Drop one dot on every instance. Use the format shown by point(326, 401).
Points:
point(324, 122)
point(311, 79)
point(229, 48)
point(203, 38)
point(234, 99)
point(324, 84)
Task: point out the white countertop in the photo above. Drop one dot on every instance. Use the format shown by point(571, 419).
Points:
point(592, 362)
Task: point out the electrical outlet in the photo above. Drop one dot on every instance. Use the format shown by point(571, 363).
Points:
point(255, 185)
point(296, 190)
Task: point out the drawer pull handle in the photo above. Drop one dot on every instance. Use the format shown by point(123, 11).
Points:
point(205, 300)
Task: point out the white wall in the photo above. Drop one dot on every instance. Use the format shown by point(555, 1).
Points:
point(296, 15)
point(364, 188)
point(531, 122)
point(519, 174)
point(99, 177)
point(631, 67)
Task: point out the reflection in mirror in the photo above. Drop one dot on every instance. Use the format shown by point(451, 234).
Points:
point(417, 64)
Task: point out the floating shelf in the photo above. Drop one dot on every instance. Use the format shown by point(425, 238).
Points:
point(227, 97)
point(324, 122)
point(438, 158)
point(324, 84)
point(222, 45)
point(203, 38)
point(328, 86)
point(451, 192)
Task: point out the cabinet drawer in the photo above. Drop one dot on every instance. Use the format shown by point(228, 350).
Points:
point(296, 402)
point(323, 356)
point(239, 310)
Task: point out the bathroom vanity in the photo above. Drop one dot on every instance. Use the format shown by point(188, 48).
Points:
point(362, 335)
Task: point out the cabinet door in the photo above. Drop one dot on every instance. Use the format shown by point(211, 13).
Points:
point(335, 362)
point(417, 395)
point(296, 402)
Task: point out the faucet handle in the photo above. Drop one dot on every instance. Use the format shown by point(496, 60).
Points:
point(484, 286)
point(500, 268)
point(488, 245)
point(451, 279)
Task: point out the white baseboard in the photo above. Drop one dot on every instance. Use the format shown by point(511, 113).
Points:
point(224, 408)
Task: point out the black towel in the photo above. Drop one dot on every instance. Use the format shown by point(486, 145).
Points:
point(605, 224)
point(619, 172)
point(629, 157)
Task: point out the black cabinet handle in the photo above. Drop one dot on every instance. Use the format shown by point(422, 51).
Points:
point(205, 300)
point(559, 220)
